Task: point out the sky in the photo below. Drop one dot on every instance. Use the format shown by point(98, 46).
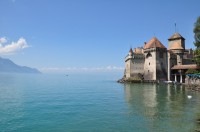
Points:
point(71, 35)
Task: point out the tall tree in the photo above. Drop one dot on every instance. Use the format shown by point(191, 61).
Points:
point(197, 40)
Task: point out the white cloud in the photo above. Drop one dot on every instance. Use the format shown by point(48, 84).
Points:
point(82, 69)
point(13, 47)
point(3, 40)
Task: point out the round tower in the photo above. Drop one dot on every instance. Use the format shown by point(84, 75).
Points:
point(128, 63)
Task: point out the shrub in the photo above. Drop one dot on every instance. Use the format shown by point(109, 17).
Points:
point(192, 71)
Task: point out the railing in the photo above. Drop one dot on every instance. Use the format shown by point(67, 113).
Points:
point(193, 75)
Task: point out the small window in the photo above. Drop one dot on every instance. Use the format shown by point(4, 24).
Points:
point(148, 55)
point(149, 63)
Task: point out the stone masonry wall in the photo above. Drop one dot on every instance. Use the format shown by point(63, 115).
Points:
point(193, 82)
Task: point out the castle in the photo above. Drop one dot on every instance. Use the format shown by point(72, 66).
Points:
point(154, 62)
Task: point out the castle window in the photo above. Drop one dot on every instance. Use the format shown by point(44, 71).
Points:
point(149, 63)
point(148, 55)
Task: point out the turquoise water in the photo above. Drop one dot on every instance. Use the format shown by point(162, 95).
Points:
point(93, 102)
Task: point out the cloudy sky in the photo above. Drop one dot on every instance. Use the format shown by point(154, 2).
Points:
point(57, 35)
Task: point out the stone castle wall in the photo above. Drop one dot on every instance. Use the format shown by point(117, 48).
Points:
point(193, 82)
point(150, 64)
point(135, 66)
point(161, 65)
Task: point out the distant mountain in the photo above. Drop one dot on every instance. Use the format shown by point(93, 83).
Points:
point(7, 66)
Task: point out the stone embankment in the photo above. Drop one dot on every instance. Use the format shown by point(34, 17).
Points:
point(193, 82)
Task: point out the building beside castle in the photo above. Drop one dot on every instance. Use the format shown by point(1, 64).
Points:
point(154, 61)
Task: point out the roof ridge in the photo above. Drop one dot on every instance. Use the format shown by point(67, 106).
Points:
point(176, 36)
point(154, 43)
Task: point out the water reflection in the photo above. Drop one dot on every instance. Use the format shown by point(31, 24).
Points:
point(162, 107)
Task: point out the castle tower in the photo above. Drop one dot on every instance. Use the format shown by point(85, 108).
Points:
point(129, 63)
point(177, 45)
point(155, 67)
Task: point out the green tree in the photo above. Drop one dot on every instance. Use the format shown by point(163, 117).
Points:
point(197, 41)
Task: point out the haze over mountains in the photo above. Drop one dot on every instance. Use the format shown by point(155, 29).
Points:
point(8, 66)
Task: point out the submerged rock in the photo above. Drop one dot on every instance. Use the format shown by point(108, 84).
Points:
point(121, 81)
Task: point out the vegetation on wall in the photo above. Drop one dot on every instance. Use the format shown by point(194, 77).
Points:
point(192, 71)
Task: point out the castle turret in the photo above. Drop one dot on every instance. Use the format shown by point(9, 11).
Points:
point(128, 63)
point(130, 52)
point(134, 64)
point(177, 46)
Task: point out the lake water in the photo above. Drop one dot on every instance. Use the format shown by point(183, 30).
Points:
point(93, 102)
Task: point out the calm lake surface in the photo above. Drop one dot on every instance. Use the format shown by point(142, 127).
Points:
point(93, 102)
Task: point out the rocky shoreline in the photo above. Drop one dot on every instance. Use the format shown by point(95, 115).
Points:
point(191, 82)
point(135, 80)
point(194, 87)
point(124, 80)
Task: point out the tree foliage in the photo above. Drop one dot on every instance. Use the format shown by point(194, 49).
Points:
point(197, 33)
point(197, 41)
point(197, 56)
point(192, 71)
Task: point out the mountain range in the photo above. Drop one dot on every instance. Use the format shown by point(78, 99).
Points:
point(8, 66)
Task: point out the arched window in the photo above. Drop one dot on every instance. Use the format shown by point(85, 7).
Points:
point(148, 55)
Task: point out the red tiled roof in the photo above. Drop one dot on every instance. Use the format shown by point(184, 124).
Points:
point(179, 67)
point(176, 36)
point(154, 43)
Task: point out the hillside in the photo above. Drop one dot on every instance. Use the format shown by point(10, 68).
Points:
point(7, 66)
